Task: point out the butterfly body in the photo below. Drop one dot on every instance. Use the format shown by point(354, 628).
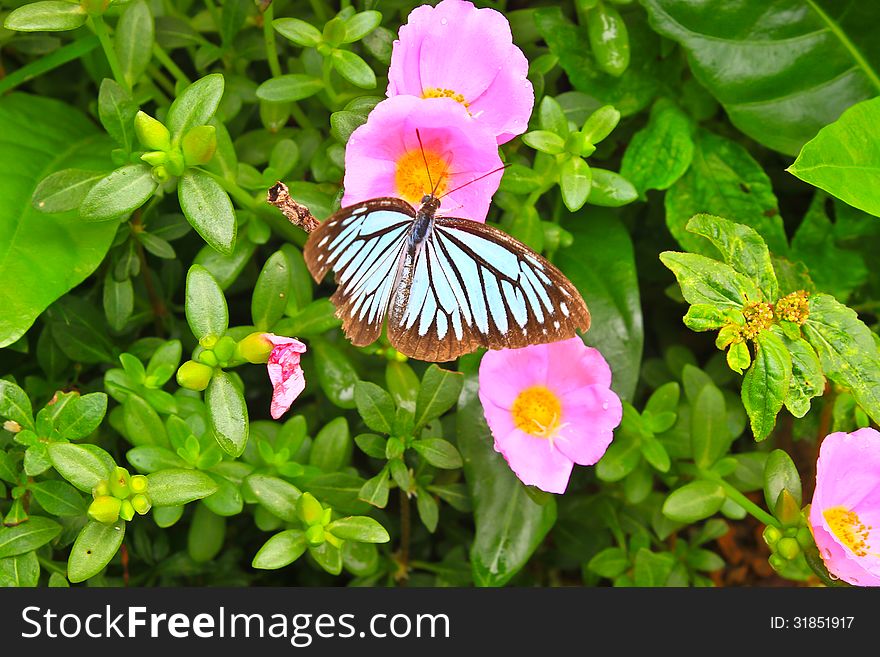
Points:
point(445, 285)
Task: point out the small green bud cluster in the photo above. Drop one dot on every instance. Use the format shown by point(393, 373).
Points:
point(790, 541)
point(120, 496)
point(315, 519)
point(214, 352)
point(171, 155)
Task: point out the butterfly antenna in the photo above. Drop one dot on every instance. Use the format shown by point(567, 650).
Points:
point(425, 160)
point(485, 175)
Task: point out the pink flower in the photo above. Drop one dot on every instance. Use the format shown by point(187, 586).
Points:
point(285, 372)
point(456, 51)
point(383, 157)
point(549, 406)
point(845, 512)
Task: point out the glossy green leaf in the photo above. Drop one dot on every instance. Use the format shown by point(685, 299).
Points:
point(195, 105)
point(80, 466)
point(280, 550)
point(765, 385)
point(353, 68)
point(117, 109)
point(694, 501)
point(64, 190)
point(175, 487)
point(289, 88)
point(27, 536)
point(707, 281)
point(807, 378)
point(660, 153)
point(278, 496)
point(331, 448)
point(601, 264)
point(438, 452)
point(208, 209)
point(270, 292)
point(93, 549)
point(709, 437)
point(15, 404)
point(438, 393)
point(509, 525)
point(724, 180)
point(609, 189)
point(575, 182)
point(206, 310)
point(780, 473)
point(782, 70)
point(207, 532)
point(228, 413)
point(22, 570)
point(133, 40)
point(336, 374)
point(49, 15)
point(46, 255)
point(118, 194)
point(846, 349)
point(359, 528)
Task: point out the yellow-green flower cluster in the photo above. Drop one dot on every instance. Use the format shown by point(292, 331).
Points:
point(120, 496)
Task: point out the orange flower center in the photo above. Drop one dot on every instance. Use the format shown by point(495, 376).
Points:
point(433, 92)
point(847, 527)
point(412, 179)
point(537, 411)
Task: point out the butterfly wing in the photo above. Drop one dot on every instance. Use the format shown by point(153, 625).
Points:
point(363, 244)
point(472, 285)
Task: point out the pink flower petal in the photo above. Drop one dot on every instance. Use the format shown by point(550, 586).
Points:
point(574, 366)
point(285, 373)
point(469, 52)
point(589, 416)
point(535, 461)
point(469, 151)
point(507, 372)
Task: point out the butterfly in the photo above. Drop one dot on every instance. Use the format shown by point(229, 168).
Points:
point(446, 285)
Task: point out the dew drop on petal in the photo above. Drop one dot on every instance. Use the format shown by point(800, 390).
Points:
point(443, 21)
point(604, 406)
point(833, 576)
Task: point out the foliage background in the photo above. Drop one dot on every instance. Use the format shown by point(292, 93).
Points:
point(96, 281)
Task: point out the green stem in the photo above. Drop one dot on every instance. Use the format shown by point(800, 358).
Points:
point(732, 493)
point(166, 61)
point(100, 28)
point(326, 68)
point(36, 68)
point(269, 38)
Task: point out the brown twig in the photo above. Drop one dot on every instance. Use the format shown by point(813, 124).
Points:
point(402, 573)
point(296, 213)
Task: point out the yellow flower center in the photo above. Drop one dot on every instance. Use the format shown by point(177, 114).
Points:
point(433, 92)
point(847, 527)
point(537, 411)
point(412, 179)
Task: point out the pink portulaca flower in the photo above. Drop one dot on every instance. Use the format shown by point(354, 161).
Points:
point(549, 406)
point(845, 512)
point(456, 51)
point(285, 372)
point(384, 158)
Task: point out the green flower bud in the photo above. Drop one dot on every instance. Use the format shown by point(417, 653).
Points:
point(787, 509)
point(577, 144)
point(209, 341)
point(327, 517)
point(199, 144)
point(788, 548)
point(805, 538)
point(776, 562)
point(155, 158)
point(194, 376)
point(315, 535)
point(101, 488)
point(160, 174)
point(105, 509)
point(255, 348)
point(138, 484)
point(771, 535)
point(224, 349)
point(119, 479)
point(309, 509)
point(152, 133)
point(141, 503)
point(208, 357)
point(126, 510)
point(175, 164)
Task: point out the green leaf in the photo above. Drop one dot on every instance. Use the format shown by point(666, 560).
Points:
point(281, 550)
point(208, 209)
point(744, 54)
point(609, 563)
point(207, 532)
point(375, 406)
point(93, 549)
point(438, 393)
point(780, 473)
point(80, 466)
point(64, 190)
point(289, 88)
point(765, 385)
point(8, 469)
point(298, 31)
point(119, 193)
point(270, 293)
point(206, 310)
point(22, 570)
point(694, 501)
point(228, 413)
point(143, 426)
point(544, 141)
point(375, 490)
point(315, 319)
point(846, 349)
point(575, 182)
point(80, 331)
point(176, 487)
point(195, 105)
point(359, 528)
point(15, 404)
point(81, 416)
point(742, 248)
point(844, 158)
point(509, 525)
point(709, 436)
point(724, 180)
point(46, 255)
point(117, 109)
point(360, 25)
point(150, 458)
point(707, 281)
point(552, 118)
point(601, 264)
point(118, 301)
point(336, 374)
point(655, 453)
point(438, 452)
point(50, 15)
point(27, 536)
point(276, 495)
point(328, 557)
point(403, 384)
point(660, 153)
point(429, 510)
point(133, 40)
point(807, 379)
point(609, 189)
point(353, 68)
point(331, 448)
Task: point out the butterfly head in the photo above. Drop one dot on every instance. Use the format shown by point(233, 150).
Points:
point(430, 203)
